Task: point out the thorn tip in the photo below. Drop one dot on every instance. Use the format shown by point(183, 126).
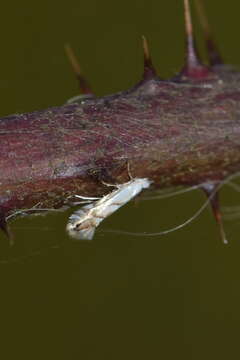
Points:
point(213, 53)
point(5, 228)
point(149, 70)
point(193, 67)
point(211, 190)
point(83, 84)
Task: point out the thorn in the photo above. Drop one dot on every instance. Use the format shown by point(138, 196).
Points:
point(83, 84)
point(193, 67)
point(212, 193)
point(149, 70)
point(213, 53)
point(5, 228)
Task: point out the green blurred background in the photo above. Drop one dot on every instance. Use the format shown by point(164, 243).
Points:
point(117, 297)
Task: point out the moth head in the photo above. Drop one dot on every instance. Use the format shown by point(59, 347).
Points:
point(80, 226)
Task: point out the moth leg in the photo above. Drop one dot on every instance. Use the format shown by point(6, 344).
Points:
point(129, 171)
point(81, 202)
point(86, 197)
point(107, 184)
point(118, 185)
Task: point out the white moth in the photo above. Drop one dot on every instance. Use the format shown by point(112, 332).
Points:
point(82, 224)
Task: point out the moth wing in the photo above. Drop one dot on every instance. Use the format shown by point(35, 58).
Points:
point(77, 215)
point(86, 234)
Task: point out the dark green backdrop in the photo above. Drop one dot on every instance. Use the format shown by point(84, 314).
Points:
point(117, 297)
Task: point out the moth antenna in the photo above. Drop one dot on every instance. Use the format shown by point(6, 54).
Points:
point(149, 71)
point(213, 196)
point(165, 194)
point(193, 67)
point(213, 52)
point(129, 171)
point(211, 191)
point(82, 82)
